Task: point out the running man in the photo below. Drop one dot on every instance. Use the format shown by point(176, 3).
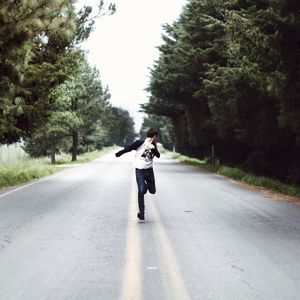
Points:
point(145, 152)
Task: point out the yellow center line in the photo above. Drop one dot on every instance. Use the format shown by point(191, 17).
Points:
point(170, 271)
point(132, 278)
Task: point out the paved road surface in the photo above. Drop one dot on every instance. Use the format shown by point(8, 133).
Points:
point(74, 235)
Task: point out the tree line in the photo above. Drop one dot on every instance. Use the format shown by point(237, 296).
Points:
point(228, 76)
point(50, 97)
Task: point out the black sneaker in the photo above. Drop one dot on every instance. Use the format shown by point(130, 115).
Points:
point(141, 216)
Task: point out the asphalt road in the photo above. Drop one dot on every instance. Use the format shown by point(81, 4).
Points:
point(75, 235)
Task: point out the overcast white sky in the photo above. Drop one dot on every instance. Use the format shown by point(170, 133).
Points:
point(123, 48)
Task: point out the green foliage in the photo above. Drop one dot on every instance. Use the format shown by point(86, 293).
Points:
point(50, 96)
point(228, 76)
point(82, 118)
point(33, 37)
point(86, 19)
point(38, 52)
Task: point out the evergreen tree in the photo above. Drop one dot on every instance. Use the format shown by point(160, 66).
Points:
point(26, 27)
point(77, 104)
point(228, 75)
point(37, 53)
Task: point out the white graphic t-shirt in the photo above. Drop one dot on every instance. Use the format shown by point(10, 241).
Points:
point(144, 156)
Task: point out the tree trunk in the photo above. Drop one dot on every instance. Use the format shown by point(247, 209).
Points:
point(74, 144)
point(52, 149)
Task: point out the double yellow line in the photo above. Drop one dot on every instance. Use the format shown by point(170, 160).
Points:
point(174, 286)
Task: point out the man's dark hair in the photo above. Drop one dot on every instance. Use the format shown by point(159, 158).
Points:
point(152, 132)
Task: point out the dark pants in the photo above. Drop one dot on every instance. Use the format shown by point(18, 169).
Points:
point(145, 180)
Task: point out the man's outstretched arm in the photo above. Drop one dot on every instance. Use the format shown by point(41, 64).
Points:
point(129, 148)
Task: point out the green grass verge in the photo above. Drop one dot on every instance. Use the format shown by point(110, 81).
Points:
point(88, 156)
point(29, 169)
point(240, 175)
point(23, 171)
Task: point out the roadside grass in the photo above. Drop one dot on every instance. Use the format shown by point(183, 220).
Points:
point(22, 171)
point(240, 175)
point(28, 169)
point(65, 158)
